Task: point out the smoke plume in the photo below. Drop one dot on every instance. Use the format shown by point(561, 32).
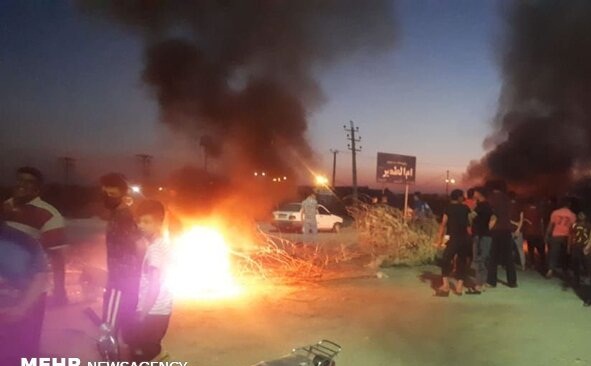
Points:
point(543, 122)
point(242, 72)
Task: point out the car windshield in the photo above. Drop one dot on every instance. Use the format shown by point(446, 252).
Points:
point(291, 207)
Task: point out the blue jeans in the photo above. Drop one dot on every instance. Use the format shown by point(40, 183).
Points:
point(310, 231)
point(481, 257)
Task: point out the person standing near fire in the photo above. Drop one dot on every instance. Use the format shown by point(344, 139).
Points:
point(501, 234)
point(309, 212)
point(517, 223)
point(561, 221)
point(123, 257)
point(455, 223)
point(483, 221)
point(533, 233)
point(30, 214)
point(155, 299)
point(579, 239)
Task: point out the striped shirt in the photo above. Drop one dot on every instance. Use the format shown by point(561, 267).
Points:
point(157, 257)
point(38, 219)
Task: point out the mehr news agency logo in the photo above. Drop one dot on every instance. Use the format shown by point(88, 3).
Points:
point(57, 361)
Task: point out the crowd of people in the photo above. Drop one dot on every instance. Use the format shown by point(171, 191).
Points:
point(137, 304)
point(488, 227)
point(482, 229)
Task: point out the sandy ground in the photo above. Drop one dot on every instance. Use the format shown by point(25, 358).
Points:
point(379, 322)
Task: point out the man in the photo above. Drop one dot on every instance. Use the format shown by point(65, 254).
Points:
point(482, 222)
point(517, 223)
point(28, 213)
point(123, 258)
point(23, 282)
point(455, 223)
point(420, 208)
point(561, 221)
point(309, 223)
point(470, 200)
point(533, 233)
point(501, 234)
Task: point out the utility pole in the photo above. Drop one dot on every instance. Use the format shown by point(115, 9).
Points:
point(351, 131)
point(68, 165)
point(145, 164)
point(448, 181)
point(206, 144)
point(334, 165)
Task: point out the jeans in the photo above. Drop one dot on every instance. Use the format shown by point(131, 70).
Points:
point(310, 231)
point(557, 253)
point(481, 258)
point(579, 261)
point(518, 241)
point(502, 254)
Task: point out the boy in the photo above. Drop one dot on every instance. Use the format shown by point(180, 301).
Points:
point(154, 300)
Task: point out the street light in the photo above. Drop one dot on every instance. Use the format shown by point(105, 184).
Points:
point(448, 181)
point(321, 180)
point(136, 189)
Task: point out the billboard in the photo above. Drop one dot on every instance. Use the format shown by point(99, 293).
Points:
point(394, 168)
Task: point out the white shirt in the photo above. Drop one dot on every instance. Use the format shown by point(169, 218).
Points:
point(157, 257)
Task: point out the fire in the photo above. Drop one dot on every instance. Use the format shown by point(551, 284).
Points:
point(201, 267)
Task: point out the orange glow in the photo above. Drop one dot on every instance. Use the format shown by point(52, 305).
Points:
point(201, 267)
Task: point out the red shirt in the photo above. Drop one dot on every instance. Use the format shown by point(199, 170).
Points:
point(563, 219)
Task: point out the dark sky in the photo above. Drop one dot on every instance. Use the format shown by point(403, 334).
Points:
point(70, 85)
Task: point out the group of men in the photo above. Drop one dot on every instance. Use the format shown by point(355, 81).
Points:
point(137, 304)
point(488, 227)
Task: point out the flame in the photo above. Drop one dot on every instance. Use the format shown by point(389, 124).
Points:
point(201, 267)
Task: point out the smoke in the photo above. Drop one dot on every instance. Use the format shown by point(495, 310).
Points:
point(543, 122)
point(242, 72)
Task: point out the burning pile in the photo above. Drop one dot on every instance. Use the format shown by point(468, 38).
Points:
point(390, 241)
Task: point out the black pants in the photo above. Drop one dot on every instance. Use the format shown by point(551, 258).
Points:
point(22, 339)
point(579, 262)
point(58, 266)
point(502, 254)
point(145, 342)
point(535, 243)
point(119, 307)
point(457, 245)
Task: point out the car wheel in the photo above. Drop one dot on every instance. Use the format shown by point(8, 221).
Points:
point(336, 228)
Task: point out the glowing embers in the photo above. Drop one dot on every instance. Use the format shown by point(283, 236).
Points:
point(201, 267)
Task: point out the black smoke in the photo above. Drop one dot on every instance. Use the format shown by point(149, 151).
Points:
point(243, 72)
point(543, 122)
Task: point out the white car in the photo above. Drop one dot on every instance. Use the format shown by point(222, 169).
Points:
point(289, 216)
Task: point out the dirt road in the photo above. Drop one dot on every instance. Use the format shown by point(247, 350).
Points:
point(379, 322)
